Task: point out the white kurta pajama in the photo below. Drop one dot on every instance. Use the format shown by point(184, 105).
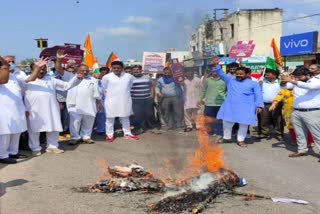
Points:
point(43, 108)
point(12, 116)
point(191, 95)
point(82, 106)
point(118, 102)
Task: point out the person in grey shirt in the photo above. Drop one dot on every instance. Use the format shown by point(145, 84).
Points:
point(171, 96)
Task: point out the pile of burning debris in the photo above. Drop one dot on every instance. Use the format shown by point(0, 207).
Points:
point(202, 178)
point(191, 195)
point(127, 179)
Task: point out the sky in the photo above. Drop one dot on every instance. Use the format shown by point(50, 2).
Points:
point(127, 27)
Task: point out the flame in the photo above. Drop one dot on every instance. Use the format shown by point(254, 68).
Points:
point(207, 158)
point(104, 174)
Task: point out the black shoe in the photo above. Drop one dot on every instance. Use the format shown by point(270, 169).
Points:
point(262, 136)
point(8, 161)
point(227, 141)
point(18, 156)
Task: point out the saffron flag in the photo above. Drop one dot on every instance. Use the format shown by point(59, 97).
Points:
point(274, 59)
point(88, 58)
point(112, 57)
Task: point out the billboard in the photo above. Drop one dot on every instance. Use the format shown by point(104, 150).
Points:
point(243, 49)
point(153, 62)
point(215, 49)
point(303, 43)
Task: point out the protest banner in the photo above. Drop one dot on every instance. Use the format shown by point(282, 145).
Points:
point(153, 62)
point(243, 49)
point(177, 70)
point(73, 51)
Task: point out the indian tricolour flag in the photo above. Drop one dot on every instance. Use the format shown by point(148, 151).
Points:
point(274, 59)
point(95, 68)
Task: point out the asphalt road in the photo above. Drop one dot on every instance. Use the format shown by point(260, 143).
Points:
point(44, 184)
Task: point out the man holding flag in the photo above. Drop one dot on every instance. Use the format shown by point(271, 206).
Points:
point(270, 85)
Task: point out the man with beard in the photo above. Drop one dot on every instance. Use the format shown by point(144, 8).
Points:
point(171, 97)
point(315, 70)
point(243, 101)
point(42, 109)
point(118, 102)
point(306, 107)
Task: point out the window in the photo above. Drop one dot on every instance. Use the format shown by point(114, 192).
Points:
point(232, 30)
point(221, 33)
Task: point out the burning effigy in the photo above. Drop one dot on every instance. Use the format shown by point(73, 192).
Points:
point(203, 178)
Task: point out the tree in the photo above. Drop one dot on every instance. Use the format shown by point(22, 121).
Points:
point(26, 61)
point(208, 26)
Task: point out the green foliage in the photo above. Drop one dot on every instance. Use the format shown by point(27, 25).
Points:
point(26, 61)
point(208, 26)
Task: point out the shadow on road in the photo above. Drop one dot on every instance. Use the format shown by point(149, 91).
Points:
point(293, 148)
point(13, 183)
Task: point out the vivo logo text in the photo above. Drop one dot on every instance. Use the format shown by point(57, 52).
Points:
point(295, 44)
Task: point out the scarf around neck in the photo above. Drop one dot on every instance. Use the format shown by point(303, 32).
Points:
point(167, 80)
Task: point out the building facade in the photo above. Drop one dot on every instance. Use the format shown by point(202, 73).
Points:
point(259, 25)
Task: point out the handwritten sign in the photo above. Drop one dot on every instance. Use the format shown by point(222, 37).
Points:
point(243, 49)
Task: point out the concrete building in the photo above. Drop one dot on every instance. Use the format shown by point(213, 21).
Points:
point(198, 39)
point(132, 62)
point(259, 25)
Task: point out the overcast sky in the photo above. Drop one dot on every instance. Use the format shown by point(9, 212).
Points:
point(127, 27)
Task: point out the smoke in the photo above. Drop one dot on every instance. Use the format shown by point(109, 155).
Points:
point(167, 30)
point(178, 29)
point(195, 184)
point(201, 183)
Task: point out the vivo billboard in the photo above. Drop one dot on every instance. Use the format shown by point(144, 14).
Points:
point(303, 43)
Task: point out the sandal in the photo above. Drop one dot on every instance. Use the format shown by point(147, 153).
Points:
point(241, 144)
point(311, 145)
point(187, 129)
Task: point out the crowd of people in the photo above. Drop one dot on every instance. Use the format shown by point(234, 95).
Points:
point(72, 102)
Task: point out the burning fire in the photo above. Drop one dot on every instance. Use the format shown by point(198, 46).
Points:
point(207, 158)
point(104, 174)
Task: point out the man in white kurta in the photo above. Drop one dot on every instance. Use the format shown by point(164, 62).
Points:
point(82, 106)
point(12, 114)
point(118, 102)
point(192, 86)
point(43, 110)
point(83, 102)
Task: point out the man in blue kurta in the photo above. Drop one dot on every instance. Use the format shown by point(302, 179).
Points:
point(243, 101)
